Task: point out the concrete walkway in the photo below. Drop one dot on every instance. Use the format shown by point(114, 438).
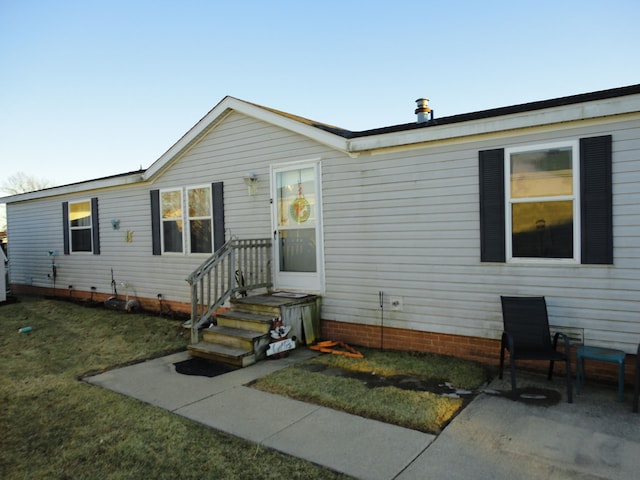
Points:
point(493, 438)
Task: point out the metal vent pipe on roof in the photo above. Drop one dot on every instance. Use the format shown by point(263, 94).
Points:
point(423, 110)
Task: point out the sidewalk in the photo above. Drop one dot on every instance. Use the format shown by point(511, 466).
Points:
point(493, 438)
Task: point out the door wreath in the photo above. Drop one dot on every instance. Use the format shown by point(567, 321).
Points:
point(300, 209)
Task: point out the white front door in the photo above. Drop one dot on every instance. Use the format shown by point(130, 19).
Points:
point(297, 227)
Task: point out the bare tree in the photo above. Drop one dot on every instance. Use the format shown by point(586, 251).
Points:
point(21, 182)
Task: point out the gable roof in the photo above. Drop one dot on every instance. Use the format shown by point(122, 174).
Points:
point(510, 110)
point(300, 125)
point(353, 143)
point(585, 106)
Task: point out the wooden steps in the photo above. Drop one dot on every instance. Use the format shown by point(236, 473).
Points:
point(241, 335)
point(240, 338)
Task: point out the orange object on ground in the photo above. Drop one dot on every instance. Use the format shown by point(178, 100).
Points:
point(327, 347)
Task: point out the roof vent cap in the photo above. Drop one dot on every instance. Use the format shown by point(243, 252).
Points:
point(423, 111)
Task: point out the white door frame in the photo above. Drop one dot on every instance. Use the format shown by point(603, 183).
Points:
point(281, 221)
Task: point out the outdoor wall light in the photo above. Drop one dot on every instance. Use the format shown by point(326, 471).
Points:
point(115, 224)
point(251, 181)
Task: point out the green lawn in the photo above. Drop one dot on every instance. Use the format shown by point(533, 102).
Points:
point(52, 425)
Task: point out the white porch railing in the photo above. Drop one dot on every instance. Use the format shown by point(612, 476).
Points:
point(236, 268)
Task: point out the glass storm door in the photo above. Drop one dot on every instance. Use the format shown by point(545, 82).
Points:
point(297, 228)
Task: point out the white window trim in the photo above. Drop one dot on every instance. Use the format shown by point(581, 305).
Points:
point(575, 161)
point(71, 229)
point(186, 219)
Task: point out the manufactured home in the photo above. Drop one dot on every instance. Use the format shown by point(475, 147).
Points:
point(399, 237)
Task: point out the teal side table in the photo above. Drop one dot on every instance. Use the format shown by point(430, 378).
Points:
point(603, 355)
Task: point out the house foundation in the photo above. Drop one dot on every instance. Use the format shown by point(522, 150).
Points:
point(482, 350)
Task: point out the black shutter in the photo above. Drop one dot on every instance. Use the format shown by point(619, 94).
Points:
point(596, 204)
point(155, 222)
point(95, 226)
point(217, 194)
point(492, 234)
point(65, 227)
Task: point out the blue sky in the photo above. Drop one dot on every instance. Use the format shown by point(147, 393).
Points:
point(92, 88)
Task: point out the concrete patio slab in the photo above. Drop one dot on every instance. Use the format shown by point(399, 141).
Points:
point(496, 438)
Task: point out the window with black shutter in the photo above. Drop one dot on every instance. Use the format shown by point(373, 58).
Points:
point(81, 227)
point(547, 202)
point(187, 220)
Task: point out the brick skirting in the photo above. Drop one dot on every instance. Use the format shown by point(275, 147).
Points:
point(483, 350)
point(147, 304)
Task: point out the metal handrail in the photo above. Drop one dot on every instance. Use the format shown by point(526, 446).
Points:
point(236, 268)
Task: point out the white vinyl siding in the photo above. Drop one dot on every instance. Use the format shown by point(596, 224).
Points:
point(404, 222)
point(132, 262)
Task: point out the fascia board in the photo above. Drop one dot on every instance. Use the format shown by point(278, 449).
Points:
point(207, 122)
point(75, 188)
point(220, 111)
point(536, 118)
point(326, 138)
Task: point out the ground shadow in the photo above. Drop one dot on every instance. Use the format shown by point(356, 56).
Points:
point(202, 367)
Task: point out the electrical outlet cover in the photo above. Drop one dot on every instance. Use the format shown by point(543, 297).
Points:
point(396, 303)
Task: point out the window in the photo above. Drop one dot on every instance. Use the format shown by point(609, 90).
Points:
point(172, 224)
point(80, 226)
point(187, 220)
point(556, 203)
point(541, 198)
point(199, 208)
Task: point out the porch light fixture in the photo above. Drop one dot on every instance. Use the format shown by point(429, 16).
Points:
point(251, 181)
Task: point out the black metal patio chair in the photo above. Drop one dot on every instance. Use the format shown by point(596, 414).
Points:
point(527, 336)
point(636, 388)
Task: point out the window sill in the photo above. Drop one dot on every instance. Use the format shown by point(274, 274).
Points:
point(543, 261)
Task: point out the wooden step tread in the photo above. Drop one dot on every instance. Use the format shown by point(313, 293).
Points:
point(276, 299)
point(235, 332)
point(248, 316)
point(222, 353)
point(220, 349)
